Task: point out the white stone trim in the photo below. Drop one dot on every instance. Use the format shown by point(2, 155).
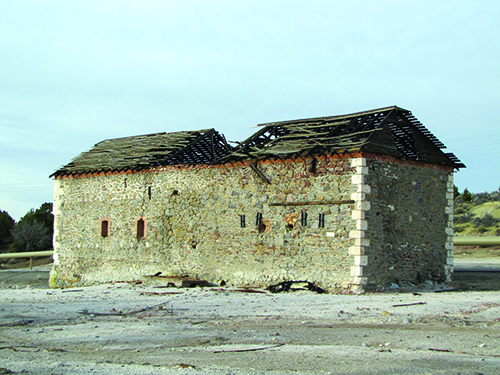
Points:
point(449, 227)
point(358, 194)
point(360, 260)
point(56, 210)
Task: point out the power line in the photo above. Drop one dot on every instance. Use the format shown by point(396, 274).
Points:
point(474, 132)
point(473, 156)
point(463, 114)
point(476, 143)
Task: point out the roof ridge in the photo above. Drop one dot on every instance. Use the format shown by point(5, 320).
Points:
point(323, 118)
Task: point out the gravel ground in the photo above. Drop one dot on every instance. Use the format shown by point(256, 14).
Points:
point(143, 329)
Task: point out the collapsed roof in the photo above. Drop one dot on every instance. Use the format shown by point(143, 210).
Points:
point(149, 151)
point(389, 131)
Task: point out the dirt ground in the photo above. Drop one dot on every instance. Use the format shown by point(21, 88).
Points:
point(126, 328)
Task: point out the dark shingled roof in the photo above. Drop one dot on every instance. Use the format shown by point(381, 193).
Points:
point(389, 131)
point(149, 151)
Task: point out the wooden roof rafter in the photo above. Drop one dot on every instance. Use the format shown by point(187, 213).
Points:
point(355, 131)
point(150, 151)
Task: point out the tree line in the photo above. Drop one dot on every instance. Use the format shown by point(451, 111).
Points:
point(33, 232)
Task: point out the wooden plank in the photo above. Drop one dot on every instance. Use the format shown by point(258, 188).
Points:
point(311, 203)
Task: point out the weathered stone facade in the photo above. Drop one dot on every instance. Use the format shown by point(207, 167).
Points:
point(406, 224)
point(394, 226)
point(352, 203)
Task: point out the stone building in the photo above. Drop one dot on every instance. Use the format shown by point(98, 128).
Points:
point(348, 202)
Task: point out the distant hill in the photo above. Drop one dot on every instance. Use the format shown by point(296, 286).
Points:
point(477, 214)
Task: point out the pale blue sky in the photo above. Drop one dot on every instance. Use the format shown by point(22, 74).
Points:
point(73, 73)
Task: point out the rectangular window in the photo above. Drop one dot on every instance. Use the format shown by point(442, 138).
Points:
point(104, 227)
point(140, 225)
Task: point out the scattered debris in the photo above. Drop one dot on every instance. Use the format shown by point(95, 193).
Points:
point(135, 282)
point(410, 304)
point(119, 313)
point(169, 285)
point(157, 293)
point(248, 350)
point(446, 290)
point(247, 291)
point(14, 348)
point(55, 350)
point(184, 365)
point(287, 286)
point(19, 323)
point(192, 283)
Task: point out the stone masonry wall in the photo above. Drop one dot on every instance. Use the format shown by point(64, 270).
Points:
point(193, 227)
point(408, 211)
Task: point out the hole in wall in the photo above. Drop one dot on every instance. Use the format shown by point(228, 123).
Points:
point(104, 228)
point(264, 226)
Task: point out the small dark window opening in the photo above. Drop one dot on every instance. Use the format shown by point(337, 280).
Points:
point(242, 221)
point(303, 219)
point(105, 228)
point(313, 166)
point(321, 223)
point(258, 220)
point(141, 228)
point(149, 192)
point(175, 192)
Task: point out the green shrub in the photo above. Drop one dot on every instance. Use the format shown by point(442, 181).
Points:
point(6, 224)
point(487, 221)
point(31, 236)
point(462, 219)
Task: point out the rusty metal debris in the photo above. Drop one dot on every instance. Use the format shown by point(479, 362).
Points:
point(287, 286)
